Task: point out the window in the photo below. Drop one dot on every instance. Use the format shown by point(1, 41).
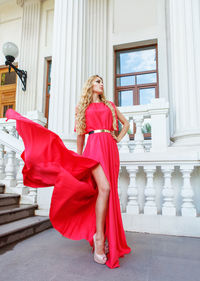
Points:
point(136, 80)
point(6, 107)
point(8, 78)
point(136, 75)
point(48, 87)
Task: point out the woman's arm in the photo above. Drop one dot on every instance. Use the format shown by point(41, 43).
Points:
point(125, 123)
point(80, 143)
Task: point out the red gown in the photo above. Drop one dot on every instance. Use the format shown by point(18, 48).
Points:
point(49, 163)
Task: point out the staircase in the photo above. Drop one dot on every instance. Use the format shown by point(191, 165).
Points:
point(18, 221)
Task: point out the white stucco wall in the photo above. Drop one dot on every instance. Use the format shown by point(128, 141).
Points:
point(10, 26)
point(133, 16)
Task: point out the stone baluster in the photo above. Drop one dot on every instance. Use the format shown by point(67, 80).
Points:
point(139, 137)
point(12, 130)
point(124, 143)
point(149, 192)
point(2, 164)
point(10, 180)
point(119, 189)
point(132, 205)
point(168, 207)
point(19, 178)
point(33, 195)
point(187, 193)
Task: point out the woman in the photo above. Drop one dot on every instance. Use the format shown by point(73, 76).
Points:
point(84, 199)
point(93, 113)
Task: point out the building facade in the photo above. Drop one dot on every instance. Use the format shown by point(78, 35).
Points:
point(147, 53)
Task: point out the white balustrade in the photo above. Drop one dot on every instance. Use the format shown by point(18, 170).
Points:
point(11, 164)
point(157, 114)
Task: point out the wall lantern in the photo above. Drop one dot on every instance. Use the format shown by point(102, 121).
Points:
point(11, 51)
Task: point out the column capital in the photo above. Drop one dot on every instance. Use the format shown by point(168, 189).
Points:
point(22, 2)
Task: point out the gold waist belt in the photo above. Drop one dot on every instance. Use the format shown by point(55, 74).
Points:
point(99, 131)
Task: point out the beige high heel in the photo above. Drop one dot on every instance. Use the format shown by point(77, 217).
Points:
point(98, 258)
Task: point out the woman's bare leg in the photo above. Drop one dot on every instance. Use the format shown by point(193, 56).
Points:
point(101, 206)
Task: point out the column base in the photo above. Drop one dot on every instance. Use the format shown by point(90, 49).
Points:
point(186, 138)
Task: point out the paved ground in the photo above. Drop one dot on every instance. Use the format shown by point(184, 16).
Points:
point(48, 256)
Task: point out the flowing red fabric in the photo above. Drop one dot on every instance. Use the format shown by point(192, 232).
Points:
point(49, 163)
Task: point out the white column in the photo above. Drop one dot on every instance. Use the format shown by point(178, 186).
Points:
point(183, 22)
point(132, 205)
point(97, 30)
point(79, 50)
point(28, 59)
point(68, 65)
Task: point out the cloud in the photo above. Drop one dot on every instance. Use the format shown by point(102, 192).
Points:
point(136, 61)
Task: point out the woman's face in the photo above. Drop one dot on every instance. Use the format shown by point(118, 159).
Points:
point(97, 86)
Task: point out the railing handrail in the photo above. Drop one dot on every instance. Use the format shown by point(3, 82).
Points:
point(11, 142)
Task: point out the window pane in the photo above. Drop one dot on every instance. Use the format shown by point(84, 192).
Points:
point(125, 98)
point(5, 108)
point(49, 88)
point(146, 78)
point(146, 95)
point(8, 78)
point(146, 126)
point(136, 60)
point(125, 81)
point(49, 74)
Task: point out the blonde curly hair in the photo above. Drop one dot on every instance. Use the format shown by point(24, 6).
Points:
point(85, 100)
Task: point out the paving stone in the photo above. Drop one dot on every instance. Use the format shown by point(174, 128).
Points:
point(48, 256)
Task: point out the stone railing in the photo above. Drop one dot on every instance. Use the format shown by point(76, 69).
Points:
point(11, 164)
point(157, 115)
point(161, 196)
point(158, 184)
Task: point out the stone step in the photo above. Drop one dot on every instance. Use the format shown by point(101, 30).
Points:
point(12, 214)
point(2, 188)
point(8, 199)
point(18, 230)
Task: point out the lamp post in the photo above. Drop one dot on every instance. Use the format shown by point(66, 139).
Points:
point(10, 51)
